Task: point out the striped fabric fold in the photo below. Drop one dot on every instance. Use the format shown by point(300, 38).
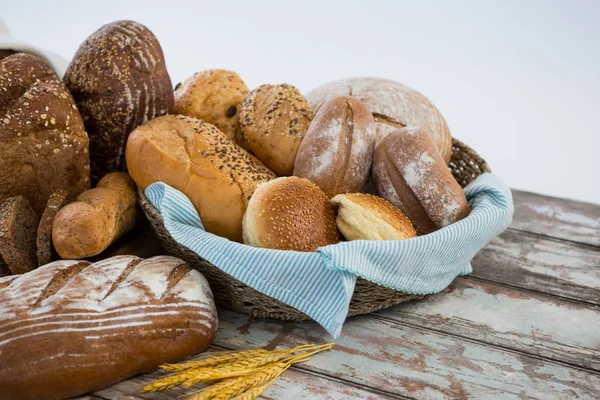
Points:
point(321, 283)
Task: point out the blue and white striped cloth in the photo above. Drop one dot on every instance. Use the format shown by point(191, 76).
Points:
point(321, 283)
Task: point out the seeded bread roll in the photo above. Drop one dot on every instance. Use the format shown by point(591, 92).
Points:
point(71, 327)
point(411, 174)
point(337, 151)
point(363, 216)
point(18, 224)
point(393, 105)
point(202, 162)
point(274, 120)
point(290, 213)
point(45, 249)
point(214, 96)
point(43, 144)
point(119, 80)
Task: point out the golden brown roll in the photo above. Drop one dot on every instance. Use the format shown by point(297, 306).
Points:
point(290, 213)
point(196, 158)
point(412, 175)
point(214, 96)
point(274, 120)
point(363, 216)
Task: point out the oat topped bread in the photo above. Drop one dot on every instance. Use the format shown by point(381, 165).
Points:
point(43, 144)
point(119, 80)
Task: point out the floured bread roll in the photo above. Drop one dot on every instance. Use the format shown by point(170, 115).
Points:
point(366, 217)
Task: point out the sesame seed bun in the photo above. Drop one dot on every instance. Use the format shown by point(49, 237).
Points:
point(290, 213)
point(366, 217)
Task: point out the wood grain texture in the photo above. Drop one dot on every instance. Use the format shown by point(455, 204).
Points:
point(546, 265)
point(523, 321)
point(414, 362)
point(561, 218)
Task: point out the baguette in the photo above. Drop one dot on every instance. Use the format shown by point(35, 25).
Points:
point(97, 218)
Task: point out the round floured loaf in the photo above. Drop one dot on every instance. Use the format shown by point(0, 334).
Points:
point(337, 151)
point(362, 216)
point(119, 80)
point(70, 327)
point(393, 106)
point(43, 144)
point(290, 213)
point(410, 173)
point(197, 159)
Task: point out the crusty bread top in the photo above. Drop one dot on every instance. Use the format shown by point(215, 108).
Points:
point(393, 106)
point(368, 217)
point(290, 213)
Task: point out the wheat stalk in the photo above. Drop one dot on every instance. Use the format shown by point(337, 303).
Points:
point(253, 393)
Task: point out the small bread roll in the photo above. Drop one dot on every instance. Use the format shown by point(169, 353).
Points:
point(274, 120)
point(337, 151)
point(411, 174)
point(214, 96)
point(197, 159)
point(366, 217)
point(289, 213)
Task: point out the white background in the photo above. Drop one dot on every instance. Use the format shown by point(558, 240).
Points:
point(519, 81)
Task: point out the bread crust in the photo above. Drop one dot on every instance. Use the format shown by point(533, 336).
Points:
point(410, 173)
point(119, 80)
point(337, 152)
point(18, 226)
point(393, 106)
point(71, 327)
point(197, 159)
point(290, 213)
point(45, 249)
point(274, 120)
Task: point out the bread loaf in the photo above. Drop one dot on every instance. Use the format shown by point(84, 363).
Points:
point(214, 96)
point(97, 218)
point(18, 225)
point(363, 216)
point(70, 327)
point(43, 144)
point(337, 151)
point(411, 174)
point(45, 249)
point(274, 120)
point(119, 80)
point(290, 213)
point(202, 162)
point(393, 106)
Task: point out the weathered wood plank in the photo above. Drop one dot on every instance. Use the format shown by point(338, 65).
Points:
point(523, 321)
point(561, 268)
point(560, 218)
point(293, 384)
point(415, 362)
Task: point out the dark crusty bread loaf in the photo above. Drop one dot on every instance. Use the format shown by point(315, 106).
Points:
point(43, 144)
point(70, 327)
point(412, 175)
point(45, 250)
point(119, 80)
point(18, 226)
point(337, 151)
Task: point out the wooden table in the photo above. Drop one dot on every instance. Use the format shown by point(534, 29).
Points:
point(525, 324)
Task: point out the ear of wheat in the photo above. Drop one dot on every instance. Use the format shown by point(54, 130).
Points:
point(243, 374)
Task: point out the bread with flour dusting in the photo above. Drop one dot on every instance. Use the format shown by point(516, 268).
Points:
point(410, 173)
point(119, 80)
point(70, 327)
point(337, 151)
point(393, 106)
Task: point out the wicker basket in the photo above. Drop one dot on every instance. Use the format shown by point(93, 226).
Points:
point(368, 297)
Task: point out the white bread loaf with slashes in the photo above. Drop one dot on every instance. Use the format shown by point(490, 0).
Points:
point(70, 327)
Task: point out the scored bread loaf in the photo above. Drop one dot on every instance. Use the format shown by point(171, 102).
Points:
point(119, 80)
point(411, 174)
point(43, 144)
point(196, 158)
point(97, 218)
point(337, 151)
point(393, 106)
point(70, 327)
